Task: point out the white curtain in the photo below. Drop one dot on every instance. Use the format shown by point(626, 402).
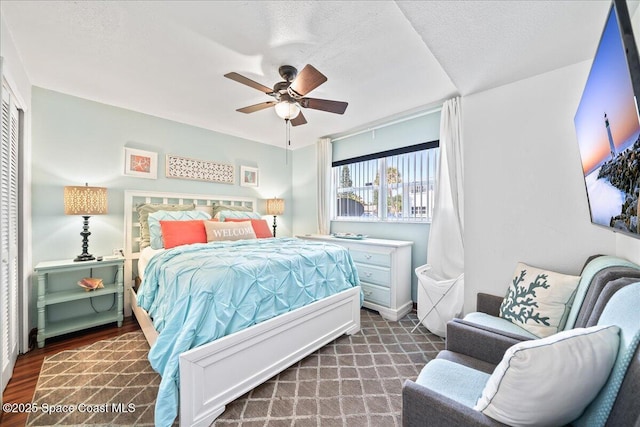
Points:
point(324, 155)
point(445, 250)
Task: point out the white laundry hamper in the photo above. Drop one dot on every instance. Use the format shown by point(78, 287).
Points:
point(439, 299)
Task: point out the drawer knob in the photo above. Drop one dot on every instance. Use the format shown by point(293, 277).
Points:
point(368, 274)
point(367, 293)
point(367, 256)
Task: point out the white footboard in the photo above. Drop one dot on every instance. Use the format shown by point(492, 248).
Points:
point(215, 374)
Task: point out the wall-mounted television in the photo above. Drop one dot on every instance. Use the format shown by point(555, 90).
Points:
point(607, 126)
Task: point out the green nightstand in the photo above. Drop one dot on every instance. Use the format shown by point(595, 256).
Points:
point(74, 307)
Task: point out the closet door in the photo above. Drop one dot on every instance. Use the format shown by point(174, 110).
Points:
point(9, 237)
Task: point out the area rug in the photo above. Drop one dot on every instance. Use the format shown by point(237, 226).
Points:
point(353, 381)
point(108, 383)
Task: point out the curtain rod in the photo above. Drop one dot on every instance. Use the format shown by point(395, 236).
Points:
point(404, 119)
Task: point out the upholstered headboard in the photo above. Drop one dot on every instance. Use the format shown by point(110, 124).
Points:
point(135, 198)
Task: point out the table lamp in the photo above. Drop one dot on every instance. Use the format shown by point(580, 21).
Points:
point(275, 207)
point(85, 201)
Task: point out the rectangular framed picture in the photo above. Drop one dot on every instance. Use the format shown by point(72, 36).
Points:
point(141, 164)
point(248, 176)
point(201, 170)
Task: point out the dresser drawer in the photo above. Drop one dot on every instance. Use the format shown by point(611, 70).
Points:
point(372, 274)
point(376, 294)
point(375, 258)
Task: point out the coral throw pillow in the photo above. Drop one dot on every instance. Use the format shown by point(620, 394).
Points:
point(177, 233)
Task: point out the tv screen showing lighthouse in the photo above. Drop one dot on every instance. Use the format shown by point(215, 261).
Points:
point(607, 129)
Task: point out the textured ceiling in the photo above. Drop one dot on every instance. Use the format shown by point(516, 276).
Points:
point(385, 58)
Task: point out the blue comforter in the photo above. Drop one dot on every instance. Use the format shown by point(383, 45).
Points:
point(198, 293)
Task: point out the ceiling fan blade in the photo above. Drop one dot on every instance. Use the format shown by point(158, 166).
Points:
point(337, 107)
point(307, 80)
point(299, 120)
point(257, 107)
point(247, 81)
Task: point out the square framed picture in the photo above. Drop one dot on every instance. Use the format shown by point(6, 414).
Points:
point(248, 176)
point(141, 164)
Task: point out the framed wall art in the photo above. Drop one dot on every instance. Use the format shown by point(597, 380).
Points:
point(248, 176)
point(141, 164)
point(200, 170)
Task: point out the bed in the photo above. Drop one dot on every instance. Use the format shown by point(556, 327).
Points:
point(215, 373)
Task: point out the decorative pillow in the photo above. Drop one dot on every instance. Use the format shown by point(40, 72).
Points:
point(219, 208)
point(217, 231)
point(143, 214)
point(155, 231)
point(550, 381)
point(224, 215)
point(539, 300)
point(177, 233)
point(260, 226)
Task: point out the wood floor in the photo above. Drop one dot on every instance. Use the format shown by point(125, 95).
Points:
point(25, 374)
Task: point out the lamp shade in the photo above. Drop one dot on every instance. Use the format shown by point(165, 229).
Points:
point(85, 200)
point(287, 110)
point(275, 206)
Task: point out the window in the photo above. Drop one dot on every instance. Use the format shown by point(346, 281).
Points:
point(394, 185)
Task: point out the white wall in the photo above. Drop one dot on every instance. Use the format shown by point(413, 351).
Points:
point(12, 65)
point(627, 247)
point(524, 192)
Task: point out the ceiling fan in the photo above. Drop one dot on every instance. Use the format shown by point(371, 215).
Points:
point(290, 94)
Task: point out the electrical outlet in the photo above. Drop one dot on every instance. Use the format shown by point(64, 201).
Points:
point(118, 252)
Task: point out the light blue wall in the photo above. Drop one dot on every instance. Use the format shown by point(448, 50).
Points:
point(77, 141)
point(409, 132)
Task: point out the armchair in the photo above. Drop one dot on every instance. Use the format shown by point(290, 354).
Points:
point(446, 392)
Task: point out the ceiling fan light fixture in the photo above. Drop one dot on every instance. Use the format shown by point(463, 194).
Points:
point(290, 95)
point(287, 110)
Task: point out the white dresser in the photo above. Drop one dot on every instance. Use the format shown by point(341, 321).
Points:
point(384, 268)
